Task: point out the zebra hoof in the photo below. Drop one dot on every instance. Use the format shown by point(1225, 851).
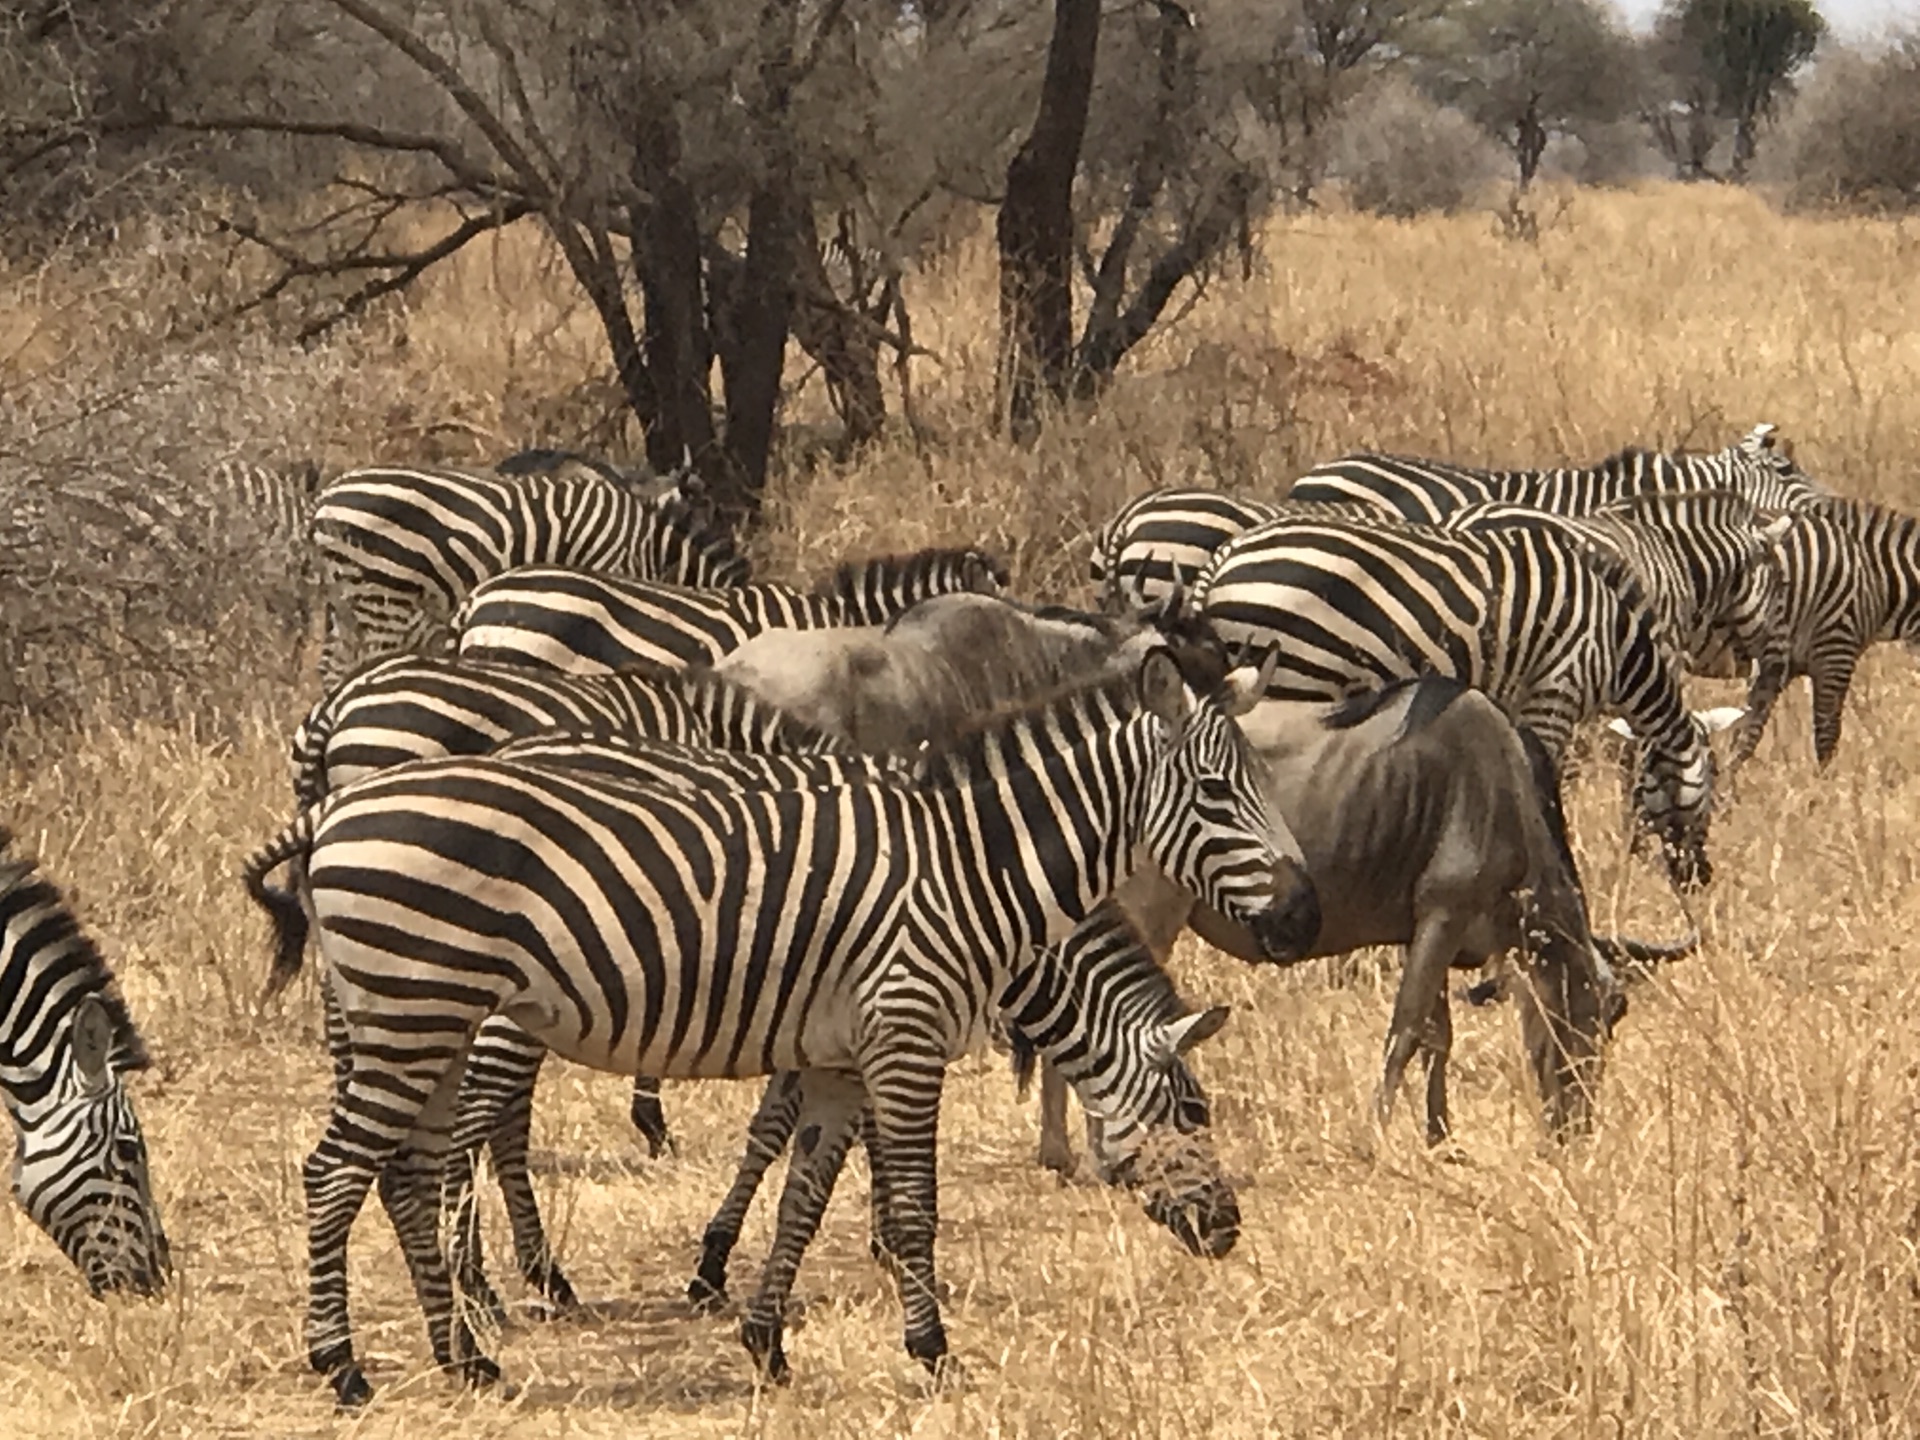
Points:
point(479, 1372)
point(707, 1296)
point(350, 1388)
point(929, 1347)
point(762, 1339)
point(559, 1293)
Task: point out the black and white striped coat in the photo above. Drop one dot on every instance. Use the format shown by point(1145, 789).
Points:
point(402, 547)
point(862, 935)
point(66, 1042)
point(591, 624)
point(1850, 578)
point(1759, 468)
point(1552, 630)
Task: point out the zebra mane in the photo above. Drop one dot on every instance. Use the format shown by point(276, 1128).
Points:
point(24, 889)
point(962, 756)
point(854, 578)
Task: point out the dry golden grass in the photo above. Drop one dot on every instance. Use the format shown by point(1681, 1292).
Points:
point(1733, 1250)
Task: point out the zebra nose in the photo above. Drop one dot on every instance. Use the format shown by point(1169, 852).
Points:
point(1287, 929)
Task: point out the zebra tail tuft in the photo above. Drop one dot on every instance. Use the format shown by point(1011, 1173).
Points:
point(1025, 1056)
point(283, 907)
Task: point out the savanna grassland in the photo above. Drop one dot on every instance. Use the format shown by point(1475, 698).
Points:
point(1733, 1251)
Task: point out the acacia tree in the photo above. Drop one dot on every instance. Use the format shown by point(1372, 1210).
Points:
point(1733, 60)
point(1139, 171)
point(1527, 70)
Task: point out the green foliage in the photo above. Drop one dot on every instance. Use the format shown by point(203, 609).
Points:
point(1736, 59)
point(1527, 70)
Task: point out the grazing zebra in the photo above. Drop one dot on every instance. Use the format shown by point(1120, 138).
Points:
point(588, 624)
point(1706, 560)
point(1759, 468)
point(66, 1041)
point(1553, 629)
point(1166, 536)
point(273, 506)
point(1850, 577)
point(399, 544)
point(862, 934)
point(1104, 1006)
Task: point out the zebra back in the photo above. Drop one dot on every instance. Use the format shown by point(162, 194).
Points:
point(694, 768)
point(397, 541)
point(1426, 491)
point(875, 590)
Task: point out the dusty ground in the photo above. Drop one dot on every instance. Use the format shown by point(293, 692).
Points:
point(1733, 1250)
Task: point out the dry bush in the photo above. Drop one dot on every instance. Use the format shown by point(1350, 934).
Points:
point(1733, 1251)
point(1401, 155)
point(1852, 140)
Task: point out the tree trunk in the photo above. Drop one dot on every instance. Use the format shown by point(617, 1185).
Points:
point(678, 348)
point(844, 343)
point(1530, 145)
point(751, 364)
point(1035, 229)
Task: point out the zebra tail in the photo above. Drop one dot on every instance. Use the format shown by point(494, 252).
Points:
point(283, 907)
point(1025, 1057)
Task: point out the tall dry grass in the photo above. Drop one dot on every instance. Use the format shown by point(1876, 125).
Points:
point(1732, 1252)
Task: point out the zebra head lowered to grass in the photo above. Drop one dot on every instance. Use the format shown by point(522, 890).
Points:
point(864, 934)
point(589, 624)
point(1759, 467)
point(403, 546)
point(66, 1041)
point(1555, 631)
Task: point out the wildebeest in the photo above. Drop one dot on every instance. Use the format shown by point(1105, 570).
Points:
point(1428, 819)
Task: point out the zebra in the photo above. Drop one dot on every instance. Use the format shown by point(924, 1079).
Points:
point(495, 1105)
point(423, 707)
point(1759, 467)
point(1707, 562)
point(66, 1044)
point(589, 624)
point(1158, 539)
point(273, 505)
point(861, 934)
point(1850, 577)
point(401, 547)
point(1553, 629)
point(1101, 1003)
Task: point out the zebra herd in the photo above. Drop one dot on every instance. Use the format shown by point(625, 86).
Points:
point(576, 783)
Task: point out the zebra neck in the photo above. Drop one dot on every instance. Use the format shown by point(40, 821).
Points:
point(1075, 1002)
point(1039, 841)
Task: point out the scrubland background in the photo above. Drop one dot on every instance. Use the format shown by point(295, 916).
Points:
point(1732, 1252)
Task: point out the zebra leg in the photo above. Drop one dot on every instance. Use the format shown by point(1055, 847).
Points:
point(410, 1189)
point(1832, 677)
point(767, 1135)
point(905, 1096)
point(508, 1147)
point(830, 1107)
point(649, 1118)
point(495, 1109)
point(1056, 1151)
point(882, 1241)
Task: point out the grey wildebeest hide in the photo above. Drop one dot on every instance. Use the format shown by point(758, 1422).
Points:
point(1427, 819)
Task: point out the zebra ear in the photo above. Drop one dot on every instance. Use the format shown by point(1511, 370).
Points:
point(1163, 691)
point(92, 1044)
point(1189, 1030)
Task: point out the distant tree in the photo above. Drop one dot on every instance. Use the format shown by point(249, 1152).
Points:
point(1527, 70)
point(1853, 137)
point(1734, 60)
point(1402, 155)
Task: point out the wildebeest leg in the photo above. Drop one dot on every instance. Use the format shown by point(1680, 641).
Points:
point(1056, 1151)
point(1438, 1046)
point(1434, 946)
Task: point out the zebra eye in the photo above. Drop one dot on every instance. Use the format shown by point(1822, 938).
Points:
point(1216, 788)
